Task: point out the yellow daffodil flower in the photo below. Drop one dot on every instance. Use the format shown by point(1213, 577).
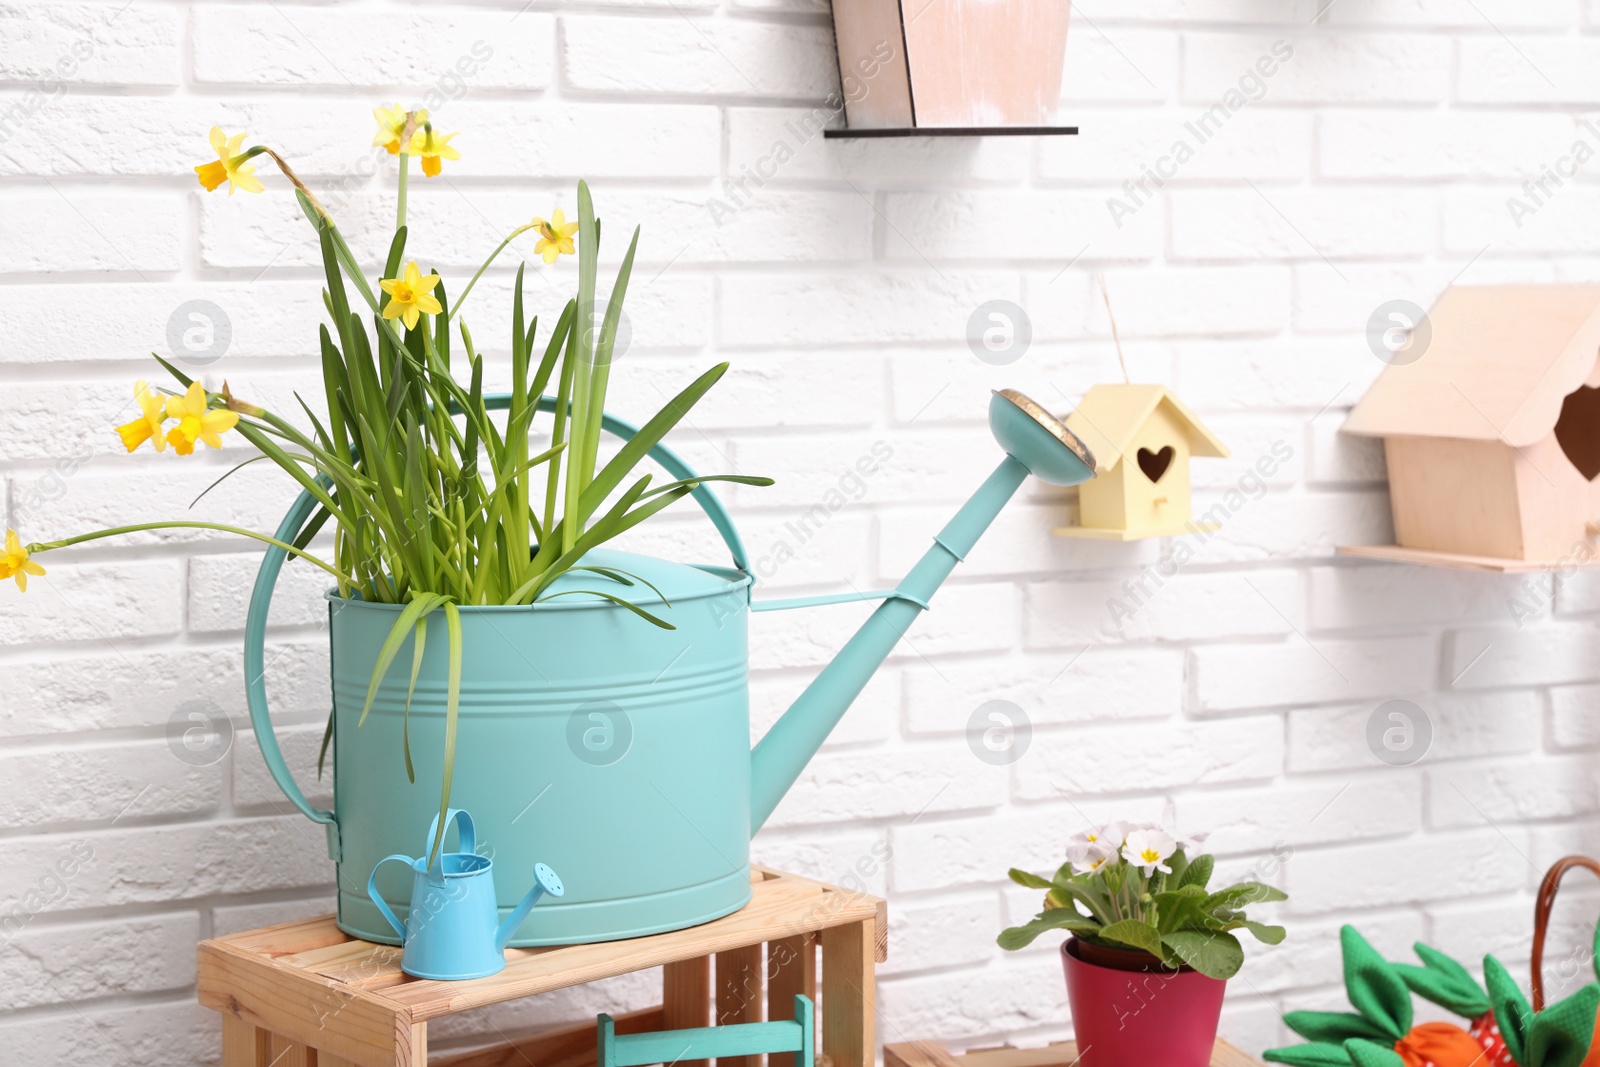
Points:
point(231, 166)
point(555, 236)
point(147, 427)
point(196, 422)
point(14, 562)
point(432, 146)
point(410, 295)
point(392, 127)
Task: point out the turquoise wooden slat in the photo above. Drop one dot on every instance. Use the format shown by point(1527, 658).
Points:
point(708, 1042)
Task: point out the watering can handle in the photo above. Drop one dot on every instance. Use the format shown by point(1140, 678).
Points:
point(463, 821)
point(377, 897)
point(305, 505)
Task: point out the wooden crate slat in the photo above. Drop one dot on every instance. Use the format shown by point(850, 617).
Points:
point(302, 935)
point(686, 998)
point(791, 970)
point(849, 998)
point(245, 1044)
point(917, 1054)
point(300, 1006)
point(1059, 1054)
point(741, 993)
point(570, 1046)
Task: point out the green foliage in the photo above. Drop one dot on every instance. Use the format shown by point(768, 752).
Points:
point(436, 504)
point(1170, 914)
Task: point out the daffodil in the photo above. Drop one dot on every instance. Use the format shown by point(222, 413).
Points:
point(231, 166)
point(1149, 850)
point(14, 562)
point(555, 235)
point(147, 427)
point(432, 146)
point(392, 127)
point(196, 422)
point(410, 295)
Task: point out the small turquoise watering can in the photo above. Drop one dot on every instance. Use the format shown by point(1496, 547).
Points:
point(451, 932)
point(617, 751)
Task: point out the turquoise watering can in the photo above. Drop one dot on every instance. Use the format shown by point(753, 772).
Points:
point(451, 931)
point(616, 751)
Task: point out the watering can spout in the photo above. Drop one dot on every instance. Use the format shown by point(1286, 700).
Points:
point(1035, 442)
point(545, 881)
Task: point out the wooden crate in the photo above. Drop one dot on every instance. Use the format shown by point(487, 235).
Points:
point(1060, 1054)
point(307, 994)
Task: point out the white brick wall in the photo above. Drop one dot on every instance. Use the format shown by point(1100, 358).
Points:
point(1373, 164)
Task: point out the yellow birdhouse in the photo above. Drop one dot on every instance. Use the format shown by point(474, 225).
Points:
point(1142, 439)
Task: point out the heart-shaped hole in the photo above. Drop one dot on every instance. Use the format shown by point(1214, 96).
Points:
point(1578, 430)
point(1155, 464)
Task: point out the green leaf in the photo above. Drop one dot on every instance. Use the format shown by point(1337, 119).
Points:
point(403, 625)
point(1267, 935)
point(1178, 909)
point(405, 723)
point(1213, 954)
point(1134, 934)
point(649, 435)
point(452, 712)
point(1053, 919)
point(1243, 895)
point(618, 601)
point(1196, 872)
point(1032, 881)
point(327, 739)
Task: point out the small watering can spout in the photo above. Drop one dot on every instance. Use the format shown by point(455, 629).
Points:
point(1035, 443)
point(545, 881)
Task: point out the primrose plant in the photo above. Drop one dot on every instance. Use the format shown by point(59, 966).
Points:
point(1144, 887)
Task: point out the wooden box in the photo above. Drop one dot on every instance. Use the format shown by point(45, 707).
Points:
point(951, 63)
point(306, 994)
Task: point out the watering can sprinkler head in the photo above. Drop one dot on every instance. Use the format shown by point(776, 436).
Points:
point(1038, 440)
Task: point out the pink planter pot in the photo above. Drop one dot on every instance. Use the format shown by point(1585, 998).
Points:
point(1124, 1015)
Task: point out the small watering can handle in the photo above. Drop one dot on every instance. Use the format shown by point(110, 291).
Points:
point(463, 821)
point(305, 505)
point(377, 897)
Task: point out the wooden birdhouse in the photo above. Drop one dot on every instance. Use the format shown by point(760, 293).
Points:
point(1492, 431)
point(959, 66)
point(1142, 439)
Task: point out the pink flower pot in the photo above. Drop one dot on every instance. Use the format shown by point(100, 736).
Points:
point(1127, 1011)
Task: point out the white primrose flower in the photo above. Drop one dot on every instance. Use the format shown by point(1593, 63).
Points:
point(1189, 843)
point(1149, 850)
point(1089, 853)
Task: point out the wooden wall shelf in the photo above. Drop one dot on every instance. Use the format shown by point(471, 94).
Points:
point(1491, 564)
point(955, 131)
